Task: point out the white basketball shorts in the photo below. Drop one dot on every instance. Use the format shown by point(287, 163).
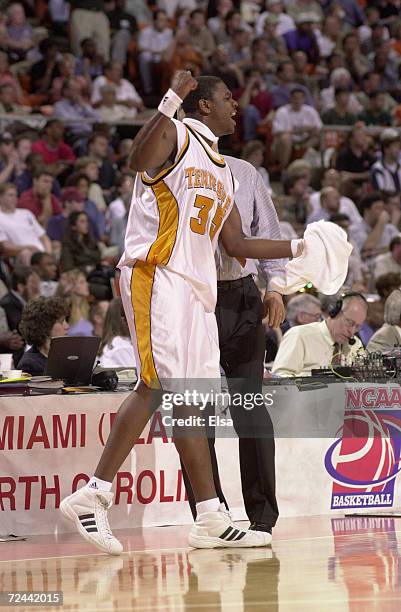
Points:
point(175, 340)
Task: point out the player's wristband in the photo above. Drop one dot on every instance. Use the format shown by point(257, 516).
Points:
point(170, 104)
point(294, 246)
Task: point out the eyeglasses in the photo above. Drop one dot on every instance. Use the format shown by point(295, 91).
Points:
point(352, 324)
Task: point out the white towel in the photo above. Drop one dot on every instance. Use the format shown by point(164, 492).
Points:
point(324, 261)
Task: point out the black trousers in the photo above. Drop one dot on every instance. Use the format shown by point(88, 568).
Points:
point(242, 348)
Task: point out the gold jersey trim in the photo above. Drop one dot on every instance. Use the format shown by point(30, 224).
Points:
point(217, 159)
point(149, 181)
point(162, 248)
point(142, 279)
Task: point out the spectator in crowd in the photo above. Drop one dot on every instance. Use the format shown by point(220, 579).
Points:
point(253, 153)
point(119, 207)
point(339, 114)
point(254, 102)
point(295, 126)
point(217, 23)
point(329, 205)
point(40, 200)
point(295, 204)
point(8, 78)
point(391, 261)
point(200, 36)
point(78, 248)
point(312, 7)
point(8, 157)
point(77, 115)
point(72, 201)
point(7, 104)
point(123, 27)
point(59, 11)
point(42, 319)
point(331, 178)
point(126, 94)
point(374, 235)
point(73, 286)
point(67, 67)
point(115, 350)
point(389, 335)
point(88, 19)
point(221, 68)
point(383, 286)
point(90, 167)
point(238, 48)
point(109, 110)
point(96, 216)
point(19, 33)
point(376, 113)
point(356, 62)
point(20, 233)
point(328, 38)
point(281, 93)
point(25, 286)
point(353, 13)
point(44, 71)
point(153, 41)
point(46, 268)
point(97, 315)
point(354, 161)
point(56, 154)
point(90, 63)
point(98, 148)
point(314, 345)
point(285, 23)
point(392, 205)
point(386, 172)
point(303, 37)
point(303, 309)
point(182, 55)
point(371, 84)
point(232, 22)
point(340, 78)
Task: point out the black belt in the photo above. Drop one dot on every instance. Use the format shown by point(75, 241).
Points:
point(233, 284)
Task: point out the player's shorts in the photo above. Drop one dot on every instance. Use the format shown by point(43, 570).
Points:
point(175, 340)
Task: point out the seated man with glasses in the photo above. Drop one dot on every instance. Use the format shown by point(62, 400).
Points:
point(327, 343)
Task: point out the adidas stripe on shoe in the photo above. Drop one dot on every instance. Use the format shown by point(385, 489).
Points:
point(216, 530)
point(87, 508)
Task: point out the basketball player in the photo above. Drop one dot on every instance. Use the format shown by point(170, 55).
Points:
point(168, 285)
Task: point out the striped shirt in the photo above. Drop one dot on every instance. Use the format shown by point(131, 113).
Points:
point(259, 219)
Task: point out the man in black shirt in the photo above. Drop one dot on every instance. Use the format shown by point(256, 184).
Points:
point(354, 161)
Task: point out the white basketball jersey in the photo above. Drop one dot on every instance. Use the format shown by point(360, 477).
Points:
point(175, 218)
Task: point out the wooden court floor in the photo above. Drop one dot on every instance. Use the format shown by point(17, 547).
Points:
point(315, 564)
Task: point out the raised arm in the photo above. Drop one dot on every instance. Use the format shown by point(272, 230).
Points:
point(156, 141)
point(238, 245)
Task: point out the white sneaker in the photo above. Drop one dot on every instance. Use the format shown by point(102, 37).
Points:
point(87, 508)
point(217, 530)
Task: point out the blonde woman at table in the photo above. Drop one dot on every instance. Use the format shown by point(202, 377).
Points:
point(116, 348)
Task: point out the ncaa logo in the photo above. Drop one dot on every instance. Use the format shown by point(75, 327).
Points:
point(365, 461)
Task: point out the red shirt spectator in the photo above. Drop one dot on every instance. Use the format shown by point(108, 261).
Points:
point(52, 148)
point(40, 200)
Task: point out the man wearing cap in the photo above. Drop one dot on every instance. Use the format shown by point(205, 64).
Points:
point(275, 10)
point(386, 172)
point(303, 37)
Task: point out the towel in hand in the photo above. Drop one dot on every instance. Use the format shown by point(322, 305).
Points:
point(324, 261)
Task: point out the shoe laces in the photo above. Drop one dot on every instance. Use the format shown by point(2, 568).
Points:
point(104, 505)
point(224, 510)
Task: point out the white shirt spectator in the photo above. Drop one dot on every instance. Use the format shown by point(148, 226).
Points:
point(21, 228)
point(154, 42)
point(384, 264)
point(118, 354)
point(117, 209)
point(327, 101)
point(171, 6)
point(124, 91)
point(347, 207)
point(286, 120)
point(285, 23)
point(307, 347)
point(325, 44)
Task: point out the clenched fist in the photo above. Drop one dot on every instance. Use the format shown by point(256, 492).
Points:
point(183, 82)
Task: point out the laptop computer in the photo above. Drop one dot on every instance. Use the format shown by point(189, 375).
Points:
point(71, 359)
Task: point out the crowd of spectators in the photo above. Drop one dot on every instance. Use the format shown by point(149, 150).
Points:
point(319, 93)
